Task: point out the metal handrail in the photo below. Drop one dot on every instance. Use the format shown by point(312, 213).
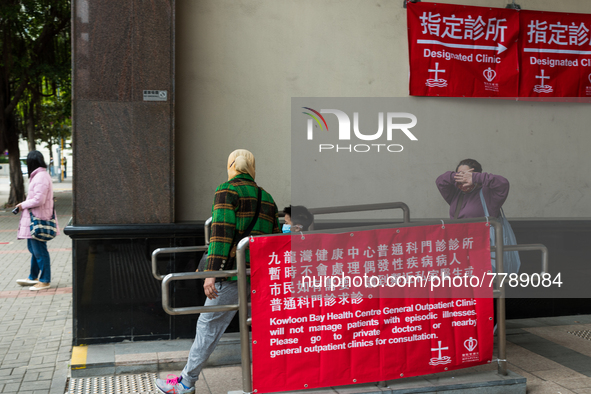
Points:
point(531, 247)
point(208, 230)
point(364, 207)
point(159, 251)
point(341, 209)
point(194, 309)
point(243, 313)
point(501, 327)
point(242, 272)
point(189, 310)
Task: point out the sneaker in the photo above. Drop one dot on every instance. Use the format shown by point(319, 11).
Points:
point(26, 282)
point(40, 286)
point(172, 385)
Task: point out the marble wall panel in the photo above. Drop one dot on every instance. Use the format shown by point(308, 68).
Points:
point(154, 141)
point(124, 147)
point(124, 170)
point(103, 50)
point(153, 53)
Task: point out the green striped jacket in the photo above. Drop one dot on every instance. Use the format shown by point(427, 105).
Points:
point(234, 206)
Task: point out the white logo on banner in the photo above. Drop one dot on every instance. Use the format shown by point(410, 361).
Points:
point(436, 82)
point(543, 88)
point(470, 344)
point(439, 360)
point(489, 74)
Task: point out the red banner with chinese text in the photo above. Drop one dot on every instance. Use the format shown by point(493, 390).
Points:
point(376, 326)
point(555, 54)
point(471, 51)
point(460, 51)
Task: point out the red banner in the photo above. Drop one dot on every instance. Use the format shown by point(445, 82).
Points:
point(555, 54)
point(376, 326)
point(459, 50)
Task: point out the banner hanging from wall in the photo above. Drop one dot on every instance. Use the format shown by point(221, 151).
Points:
point(460, 51)
point(311, 327)
point(466, 51)
point(556, 54)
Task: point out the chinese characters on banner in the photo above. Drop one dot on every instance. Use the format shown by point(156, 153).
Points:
point(556, 54)
point(538, 54)
point(462, 51)
point(339, 309)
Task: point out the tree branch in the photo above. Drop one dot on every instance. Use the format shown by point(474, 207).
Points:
point(17, 96)
point(49, 31)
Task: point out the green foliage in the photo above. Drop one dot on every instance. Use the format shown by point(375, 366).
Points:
point(35, 68)
point(35, 38)
point(31, 52)
point(54, 121)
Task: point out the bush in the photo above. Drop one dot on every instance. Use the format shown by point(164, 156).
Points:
point(3, 159)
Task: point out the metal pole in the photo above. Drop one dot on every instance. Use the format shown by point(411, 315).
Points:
point(62, 159)
point(195, 309)
point(501, 332)
point(243, 314)
point(364, 207)
point(59, 163)
point(530, 247)
point(159, 251)
point(208, 230)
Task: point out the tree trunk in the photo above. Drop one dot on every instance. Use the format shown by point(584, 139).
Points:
point(17, 185)
point(31, 125)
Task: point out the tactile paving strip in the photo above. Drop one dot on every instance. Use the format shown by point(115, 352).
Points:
point(122, 384)
point(585, 334)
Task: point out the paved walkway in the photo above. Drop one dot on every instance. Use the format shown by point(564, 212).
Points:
point(554, 354)
point(36, 334)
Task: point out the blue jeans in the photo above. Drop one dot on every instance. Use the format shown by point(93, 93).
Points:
point(39, 260)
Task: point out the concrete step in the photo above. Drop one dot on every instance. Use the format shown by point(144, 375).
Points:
point(150, 356)
point(170, 356)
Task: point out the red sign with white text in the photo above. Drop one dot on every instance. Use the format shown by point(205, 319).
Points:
point(310, 332)
point(555, 54)
point(459, 50)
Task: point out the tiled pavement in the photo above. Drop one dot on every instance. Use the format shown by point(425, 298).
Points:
point(36, 338)
point(35, 333)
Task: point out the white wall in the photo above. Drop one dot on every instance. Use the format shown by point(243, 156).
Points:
point(239, 63)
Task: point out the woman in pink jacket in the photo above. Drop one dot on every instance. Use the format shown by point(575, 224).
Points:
point(40, 202)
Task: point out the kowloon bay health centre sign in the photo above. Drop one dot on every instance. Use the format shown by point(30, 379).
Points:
point(367, 306)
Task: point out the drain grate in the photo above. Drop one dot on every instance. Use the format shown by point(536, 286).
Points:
point(585, 334)
point(122, 384)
